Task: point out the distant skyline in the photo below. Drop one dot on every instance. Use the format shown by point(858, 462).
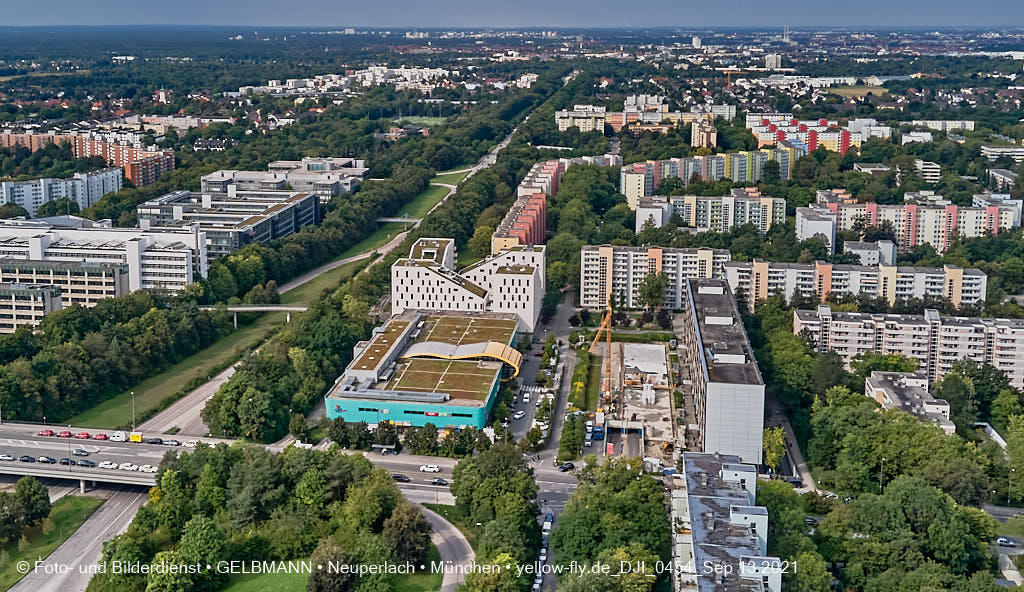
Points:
point(522, 13)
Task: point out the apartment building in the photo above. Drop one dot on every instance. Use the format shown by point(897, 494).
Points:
point(703, 135)
point(912, 137)
point(714, 213)
point(994, 153)
point(512, 281)
point(608, 271)
point(945, 125)
point(881, 252)
point(999, 200)
point(929, 172)
point(727, 390)
point(772, 61)
point(772, 128)
point(936, 341)
point(80, 283)
point(908, 392)
point(586, 118)
point(26, 305)
point(759, 280)
point(165, 259)
point(1002, 179)
point(716, 522)
point(834, 196)
point(723, 111)
point(874, 169)
point(935, 225)
point(84, 189)
point(325, 177)
point(234, 219)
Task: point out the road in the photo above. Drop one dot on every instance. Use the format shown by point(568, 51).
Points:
point(184, 413)
point(453, 547)
point(777, 417)
point(82, 549)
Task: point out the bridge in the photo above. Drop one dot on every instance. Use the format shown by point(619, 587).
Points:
point(401, 219)
point(83, 475)
point(235, 309)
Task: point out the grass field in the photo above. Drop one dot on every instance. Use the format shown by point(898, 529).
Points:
point(421, 582)
point(152, 391)
point(857, 92)
point(422, 120)
point(453, 515)
point(450, 178)
point(65, 517)
point(594, 382)
point(377, 239)
point(310, 292)
point(43, 74)
point(421, 204)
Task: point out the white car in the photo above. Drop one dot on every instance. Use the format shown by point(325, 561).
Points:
point(128, 467)
point(519, 415)
point(430, 469)
point(147, 469)
point(526, 397)
point(191, 443)
point(6, 457)
point(108, 465)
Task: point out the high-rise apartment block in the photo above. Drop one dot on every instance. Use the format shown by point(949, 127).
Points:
point(84, 189)
point(615, 272)
point(727, 390)
point(512, 281)
point(993, 153)
point(936, 341)
point(26, 305)
point(758, 280)
point(703, 135)
point(586, 118)
point(945, 125)
point(929, 172)
point(714, 213)
point(772, 128)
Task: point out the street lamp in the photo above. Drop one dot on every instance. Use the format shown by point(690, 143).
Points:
point(1009, 486)
point(133, 411)
point(880, 467)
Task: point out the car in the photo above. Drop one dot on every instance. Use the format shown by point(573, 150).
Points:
point(794, 481)
point(549, 517)
point(400, 478)
point(83, 435)
point(127, 466)
point(27, 458)
point(191, 443)
point(154, 441)
point(80, 452)
point(172, 443)
point(1005, 542)
point(588, 441)
point(438, 481)
point(430, 469)
point(810, 520)
point(544, 540)
point(526, 397)
point(535, 588)
point(147, 469)
point(87, 463)
point(45, 433)
point(543, 556)
point(6, 457)
point(566, 467)
point(66, 461)
point(519, 415)
point(99, 437)
point(64, 434)
point(49, 460)
point(108, 465)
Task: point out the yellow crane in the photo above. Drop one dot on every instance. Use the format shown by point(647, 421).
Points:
point(606, 328)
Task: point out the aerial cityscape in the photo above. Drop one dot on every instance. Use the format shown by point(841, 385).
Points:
point(520, 298)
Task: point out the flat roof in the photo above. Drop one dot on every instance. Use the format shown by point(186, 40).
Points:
point(721, 333)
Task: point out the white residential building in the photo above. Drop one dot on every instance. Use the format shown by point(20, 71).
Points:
point(758, 280)
point(943, 125)
point(26, 305)
point(994, 153)
point(325, 177)
point(85, 189)
point(911, 137)
point(937, 341)
point(727, 390)
point(512, 281)
point(928, 171)
point(158, 260)
point(881, 252)
point(908, 392)
point(608, 271)
point(587, 118)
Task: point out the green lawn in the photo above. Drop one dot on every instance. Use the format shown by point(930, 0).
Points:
point(421, 204)
point(594, 382)
point(422, 582)
point(65, 517)
point(422, 120)
point(310, 292)
point(117, 411)
point(454, 515)
point(465, 258)
point(450, 178)
point(268, 582)
point(376, 240)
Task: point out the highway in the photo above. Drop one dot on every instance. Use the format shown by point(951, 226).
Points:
point(184, 413)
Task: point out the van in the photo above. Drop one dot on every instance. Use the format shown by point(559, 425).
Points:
point(118, 437)
point(135, 437)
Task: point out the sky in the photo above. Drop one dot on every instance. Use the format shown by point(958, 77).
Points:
point(519, 13)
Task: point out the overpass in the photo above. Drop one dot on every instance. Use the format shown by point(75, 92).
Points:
point(404, 220)
point(81, 474)
point(235, 309)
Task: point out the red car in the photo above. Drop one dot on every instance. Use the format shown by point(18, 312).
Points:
point(45, 433)
point(83, 435)
point(100, 437)
point(64, 434)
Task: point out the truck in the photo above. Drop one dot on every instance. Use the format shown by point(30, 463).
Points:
point(135, 437)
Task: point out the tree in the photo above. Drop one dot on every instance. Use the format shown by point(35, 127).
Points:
point(167, 579)
point(175, 504)
point(323, 579)
point(480, 244)
point(407, 533)
point(652, 290)
point(298, 428)
point(1006, 404)
point(774, 443)
point(202, 543)
point(1015, 450)
point(33, 499)
point(311, 490)
point(771, 173)
point(422, 440)
point(958, 391)
point(12, 211)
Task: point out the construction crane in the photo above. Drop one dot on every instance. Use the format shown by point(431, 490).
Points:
point(606, 327)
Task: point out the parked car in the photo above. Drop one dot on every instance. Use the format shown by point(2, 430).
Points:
point(439, 481)
point(108, 465)
point(99, 437)
point(87, 463)
point(172, 443)
point(6, 457)
point(45, 433)
point(27, 458)
point(587, 441)
point(430, 469)
point(549, 517)
point(64, 434)
point(810, 521)
point(66, 461)
point(83, 435)
point(154, 441)
point(1005, 542)
point(566, 467)
point(48, 460)
point(519, 415)
point(191, 443)
point(400, 478)
point(80, 452)
point(128, 467)
point(147, 469)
